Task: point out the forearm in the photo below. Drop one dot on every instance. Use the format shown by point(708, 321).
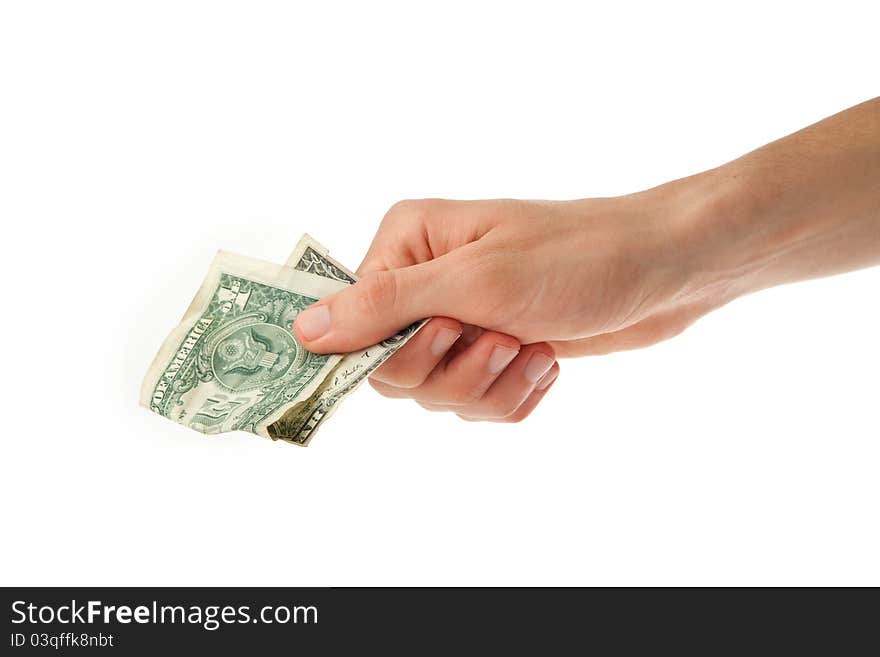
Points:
point(805, 206)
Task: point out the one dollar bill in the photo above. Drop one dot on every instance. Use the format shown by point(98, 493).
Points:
point(233, 362)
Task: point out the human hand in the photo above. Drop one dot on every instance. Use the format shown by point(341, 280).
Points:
point(572, 278)
point(594, 276)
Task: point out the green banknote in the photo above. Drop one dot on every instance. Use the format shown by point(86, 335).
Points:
point(233, 363)
point(353, 369)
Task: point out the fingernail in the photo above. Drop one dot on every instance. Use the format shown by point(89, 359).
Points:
point(549, 378)
point(444, 339)
point(500, 358)
point(314, 322)
point(538, 366)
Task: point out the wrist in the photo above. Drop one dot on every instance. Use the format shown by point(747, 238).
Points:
point(725, 235)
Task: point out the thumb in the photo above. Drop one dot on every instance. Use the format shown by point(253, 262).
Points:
point(376, 307)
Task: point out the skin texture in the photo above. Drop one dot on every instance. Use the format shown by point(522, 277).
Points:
point(513, 285)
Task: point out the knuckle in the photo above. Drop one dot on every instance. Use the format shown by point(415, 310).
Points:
point(463, 396)
point(404, 378)
point(384, 389)
point(410, 210)
point(377, 293)
point(410, 380)
point(501, 407)
point(385, 392)
point(400, 373)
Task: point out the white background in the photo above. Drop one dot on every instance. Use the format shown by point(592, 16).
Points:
point(136, 139)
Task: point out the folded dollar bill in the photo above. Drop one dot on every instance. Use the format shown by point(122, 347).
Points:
point(233, 362)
